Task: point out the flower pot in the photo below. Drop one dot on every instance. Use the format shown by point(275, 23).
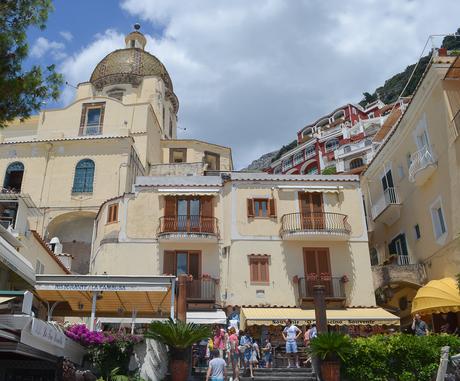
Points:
point(179, 370)
point(330, 370)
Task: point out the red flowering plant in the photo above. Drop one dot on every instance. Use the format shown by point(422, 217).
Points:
point(106, 350)
point(325, 276)
point(344, 279)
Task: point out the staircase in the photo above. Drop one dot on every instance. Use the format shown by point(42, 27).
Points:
point(282, 374)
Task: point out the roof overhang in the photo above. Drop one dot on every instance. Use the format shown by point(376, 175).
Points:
point(345, 316)
point(116, 296)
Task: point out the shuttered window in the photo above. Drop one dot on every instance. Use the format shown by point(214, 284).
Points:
point(316, 261)
point(258, 269)
point(177, 262)
point(261, 207)
point(112, 213)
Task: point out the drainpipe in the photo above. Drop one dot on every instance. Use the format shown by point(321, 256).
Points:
point(49, 147)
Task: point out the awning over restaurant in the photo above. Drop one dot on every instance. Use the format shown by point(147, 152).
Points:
point(345, 316)
point(188, 191)
point(112, 296)
point(437, 296)
point(311, 188)
point(207, 317)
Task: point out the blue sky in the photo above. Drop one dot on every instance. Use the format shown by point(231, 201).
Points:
point(249, 74)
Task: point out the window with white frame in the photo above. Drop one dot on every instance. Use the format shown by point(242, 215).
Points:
point(332, 144)
point(438, 219)
point(287, 164)
point(298, 157)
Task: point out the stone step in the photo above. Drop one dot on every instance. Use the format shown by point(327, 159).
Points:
point(279, 378)
point(281, 374)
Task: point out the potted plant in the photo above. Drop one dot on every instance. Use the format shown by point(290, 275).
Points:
point(179, 337)
point(330, 348)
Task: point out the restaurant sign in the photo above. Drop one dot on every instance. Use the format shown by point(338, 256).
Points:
point(333, 322)
point(47, 332)
point(99, 287)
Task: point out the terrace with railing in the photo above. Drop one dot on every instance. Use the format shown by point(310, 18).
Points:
point(334, 286)
point(387, 206)
point(318, 224)
point(423, 164)
point(188, 227)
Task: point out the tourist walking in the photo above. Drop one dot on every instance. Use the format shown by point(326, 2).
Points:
point(217, 368)
point(219, 341)
point(267, 351)
point(419, 327)
point(234, 353)
point(290, 334)
point(245, 349)
point(255, 355)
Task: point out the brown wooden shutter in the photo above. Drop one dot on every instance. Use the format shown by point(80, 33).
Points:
point(250, 202)
point(323, 261)
point(309, 259)
point(169, 262)
point(264, 270)
point(207, 222)
point(170, 219)
point(317, 202)
point(82, 120)
point(272, 207)
point(194, 264)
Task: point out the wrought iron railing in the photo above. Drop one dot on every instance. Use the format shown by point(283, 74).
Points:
point(389, 197)
point(95, 129)
point(191, 224)
point(419, 161)
point(334, 223)
point(202, 290)
point(334, 286)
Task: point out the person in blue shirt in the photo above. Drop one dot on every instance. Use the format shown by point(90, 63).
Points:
point(246, 349)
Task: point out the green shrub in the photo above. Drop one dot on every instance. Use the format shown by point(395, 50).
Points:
point(398, 357)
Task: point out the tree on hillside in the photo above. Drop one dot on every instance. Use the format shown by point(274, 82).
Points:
point(23, 91)
point(452, 42)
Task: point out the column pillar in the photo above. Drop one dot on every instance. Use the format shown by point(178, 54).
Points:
point(182, 298)
point(320, 307)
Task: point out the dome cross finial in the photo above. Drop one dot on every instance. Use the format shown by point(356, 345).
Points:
point(135, 39)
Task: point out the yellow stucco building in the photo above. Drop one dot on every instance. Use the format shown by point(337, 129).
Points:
point(411, 191)
point(124, 196)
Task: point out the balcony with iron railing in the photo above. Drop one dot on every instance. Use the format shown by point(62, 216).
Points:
point(188, 227)
point(334, 287)
point(423, 164)
point(202, 291)
point(318, 225)
point(91, 129)
point(397, 269)
point(387, 207)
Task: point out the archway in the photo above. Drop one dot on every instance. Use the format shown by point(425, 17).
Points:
point(13, 177)
point(75, 232)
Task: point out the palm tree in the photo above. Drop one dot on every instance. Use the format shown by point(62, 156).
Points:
point(179, 337)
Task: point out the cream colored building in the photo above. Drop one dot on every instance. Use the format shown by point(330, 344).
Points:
point(124, 196)
point(247, 239)
point(120, 126)
point(411, 191)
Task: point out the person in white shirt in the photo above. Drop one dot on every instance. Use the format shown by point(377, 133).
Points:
point(217, 368)
point(290, 334)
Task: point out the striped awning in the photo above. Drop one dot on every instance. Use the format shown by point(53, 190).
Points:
point(345, 316)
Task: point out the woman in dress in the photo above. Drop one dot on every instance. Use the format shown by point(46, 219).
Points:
point(255, 355)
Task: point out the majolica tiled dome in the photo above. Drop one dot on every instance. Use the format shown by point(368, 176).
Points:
point(128, 66)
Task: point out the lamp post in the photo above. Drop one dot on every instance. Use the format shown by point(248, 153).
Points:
point(320, 307)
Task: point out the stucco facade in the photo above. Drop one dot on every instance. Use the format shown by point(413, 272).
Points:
point(138, 241)
point(411, 191)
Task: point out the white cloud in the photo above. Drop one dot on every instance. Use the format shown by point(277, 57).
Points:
point(250, 74)
point(66, 35)
point(79, 66)
point(44, 46)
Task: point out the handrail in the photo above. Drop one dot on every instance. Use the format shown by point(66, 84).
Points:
point(190, 224)
point(419, 161)
point(334, 223)
point(334, 286)
point(202, 289)
point(389, 197)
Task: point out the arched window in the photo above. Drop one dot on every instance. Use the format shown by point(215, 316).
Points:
point(13, 177)
point(84, 177)
point(332, 144)
point(356, 163)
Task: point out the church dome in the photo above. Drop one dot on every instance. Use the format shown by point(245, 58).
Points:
point(129, 65)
